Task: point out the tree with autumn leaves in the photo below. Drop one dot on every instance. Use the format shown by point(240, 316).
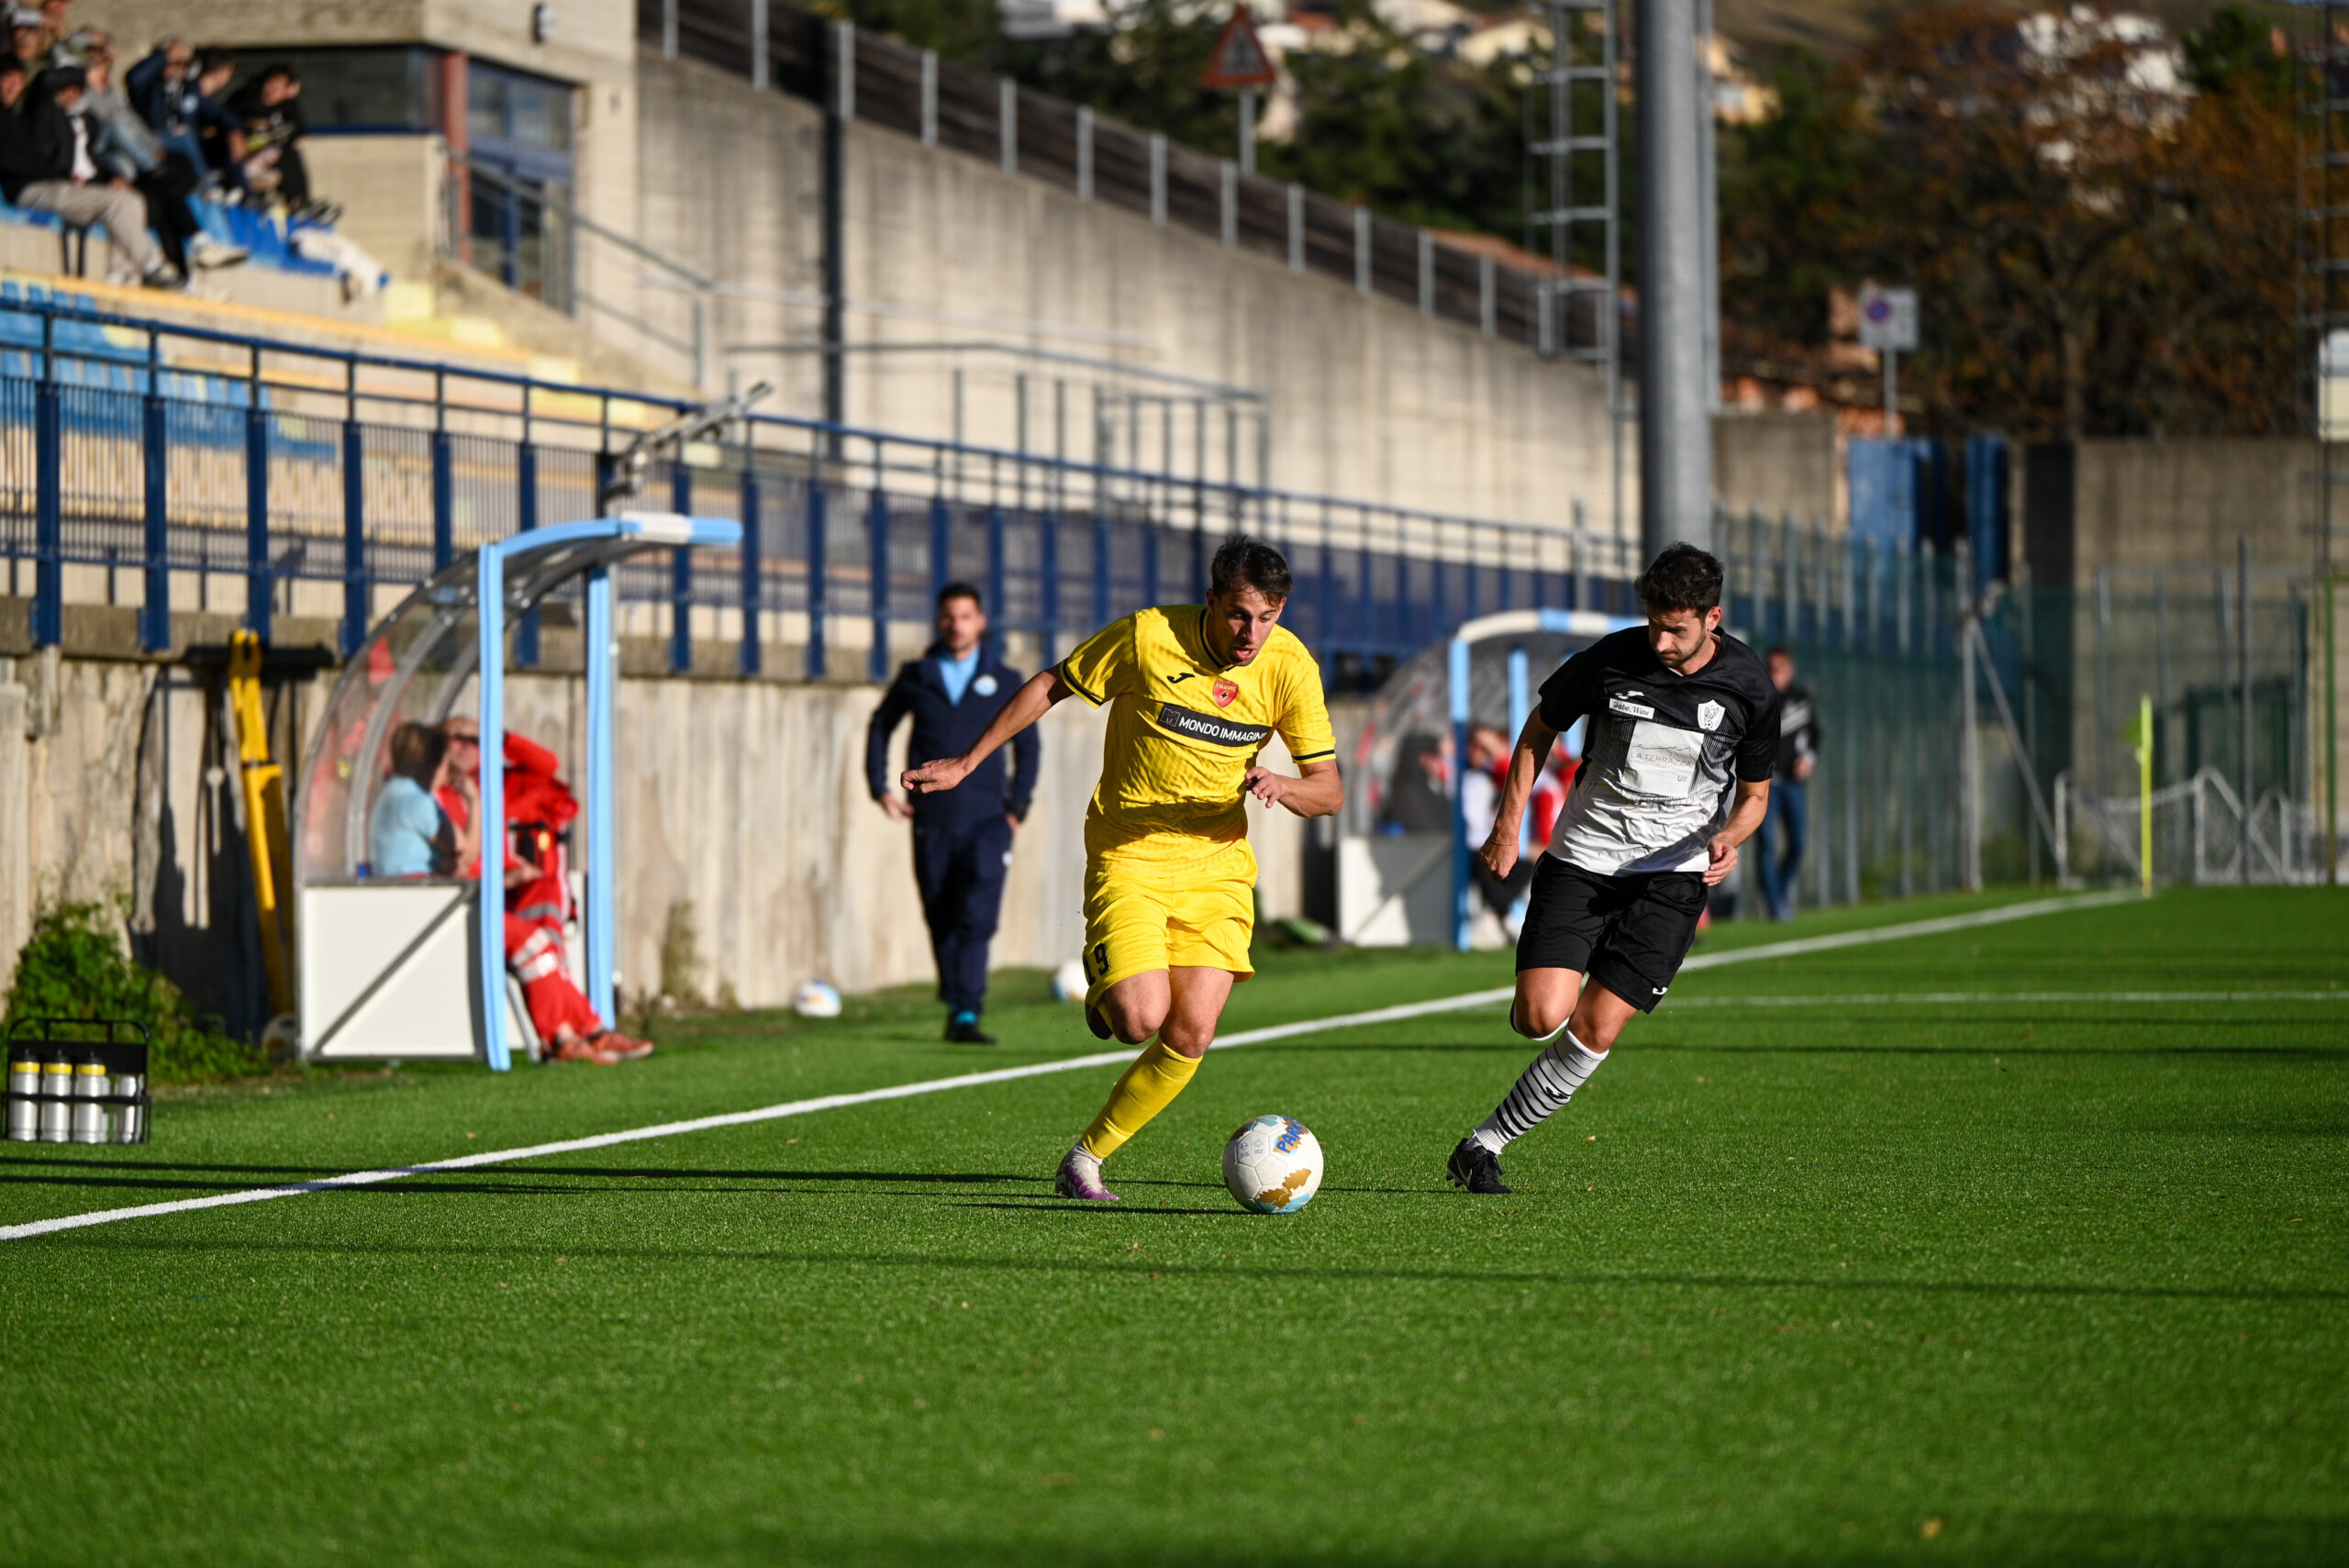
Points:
point(2098, 252)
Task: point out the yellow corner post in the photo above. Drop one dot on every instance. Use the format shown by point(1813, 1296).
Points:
point(2141, 735)
point(265, 787)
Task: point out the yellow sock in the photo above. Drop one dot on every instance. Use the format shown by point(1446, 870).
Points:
point(1148, 1087)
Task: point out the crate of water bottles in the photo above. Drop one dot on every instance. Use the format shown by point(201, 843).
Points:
point(77, 1081)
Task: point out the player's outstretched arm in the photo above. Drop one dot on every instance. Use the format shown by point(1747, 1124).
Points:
point(1533, 743)
point(1318, 792)
point(1028, 705)
point(1744, 819)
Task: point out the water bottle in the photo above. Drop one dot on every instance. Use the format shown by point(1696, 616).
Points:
point(131, 1108)
point(90, 1099)
point(24, 1093)
point(57, 1096)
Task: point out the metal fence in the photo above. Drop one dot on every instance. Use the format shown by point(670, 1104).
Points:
point(154, 451)
point(1982, 732)
point(2227, 664)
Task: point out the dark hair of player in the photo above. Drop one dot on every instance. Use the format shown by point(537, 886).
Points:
point(1779, 651)
point(1241, 562)
point(961, 590)
point(1682, 578)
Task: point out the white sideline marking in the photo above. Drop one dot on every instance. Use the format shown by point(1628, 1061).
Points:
point(1034, 1069)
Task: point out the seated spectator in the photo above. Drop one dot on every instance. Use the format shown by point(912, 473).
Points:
point(176, 91)
point(407, 833)
point(537, 901)
point(46, 166)
point(1418, 796)
point(26, 28)
point(269, 107)
point(54, 28)
point(124, 147)
point(1481, 783)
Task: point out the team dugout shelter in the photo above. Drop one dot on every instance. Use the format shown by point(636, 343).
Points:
point(415, 968)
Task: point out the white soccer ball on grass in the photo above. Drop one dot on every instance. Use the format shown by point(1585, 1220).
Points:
point(1068, 981)
point(816, 999)
point(1272, 1165)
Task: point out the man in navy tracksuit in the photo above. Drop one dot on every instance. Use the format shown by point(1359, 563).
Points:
point(961, 837)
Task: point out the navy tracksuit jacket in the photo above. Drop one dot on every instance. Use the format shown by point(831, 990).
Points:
point(962, 843)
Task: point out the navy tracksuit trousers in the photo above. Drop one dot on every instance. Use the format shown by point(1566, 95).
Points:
point(960, 868)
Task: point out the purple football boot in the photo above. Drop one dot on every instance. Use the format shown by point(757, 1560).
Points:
point(1081, 1179)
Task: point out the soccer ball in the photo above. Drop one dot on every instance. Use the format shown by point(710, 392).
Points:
point(815, 999)
point(1068, 981)
point(1272, 1165)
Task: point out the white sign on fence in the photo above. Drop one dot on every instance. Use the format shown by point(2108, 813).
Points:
point(1888, 320)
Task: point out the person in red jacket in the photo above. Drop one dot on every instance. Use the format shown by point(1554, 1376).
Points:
point(538, 805)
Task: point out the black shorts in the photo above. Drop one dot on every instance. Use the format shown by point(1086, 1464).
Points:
point(1627, 933)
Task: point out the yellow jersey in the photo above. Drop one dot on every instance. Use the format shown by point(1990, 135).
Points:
point(1185, 728)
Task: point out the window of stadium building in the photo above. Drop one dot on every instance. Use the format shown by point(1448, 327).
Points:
point(395, 88)
point(518, 129)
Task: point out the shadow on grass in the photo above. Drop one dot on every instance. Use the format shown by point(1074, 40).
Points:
point(2025, 1048)
point(103, 1242)
point(1070, 1205)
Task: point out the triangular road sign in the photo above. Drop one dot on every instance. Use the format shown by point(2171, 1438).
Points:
point(1240, 58)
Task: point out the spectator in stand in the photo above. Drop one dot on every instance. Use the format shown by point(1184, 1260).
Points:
point(175, 90)
point(55, 29)
point(270, 108)
point(25, 28)
point(45, 166)
point(124, 147)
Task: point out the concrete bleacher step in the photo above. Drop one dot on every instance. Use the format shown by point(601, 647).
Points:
point(468, 300)
point(478, 346)
point(32, 249)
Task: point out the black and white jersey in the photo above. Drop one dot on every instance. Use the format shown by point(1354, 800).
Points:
point(1663, 751)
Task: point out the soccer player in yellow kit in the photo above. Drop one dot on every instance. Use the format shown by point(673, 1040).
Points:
point(1193, 692)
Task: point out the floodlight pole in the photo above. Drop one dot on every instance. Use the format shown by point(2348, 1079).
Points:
point(1676, 435)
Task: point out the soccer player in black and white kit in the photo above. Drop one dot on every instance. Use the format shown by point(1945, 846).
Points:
point(1675, 775)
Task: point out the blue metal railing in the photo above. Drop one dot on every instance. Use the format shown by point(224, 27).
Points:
point(176, 450)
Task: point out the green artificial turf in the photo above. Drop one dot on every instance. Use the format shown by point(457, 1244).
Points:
point(1983, 1282)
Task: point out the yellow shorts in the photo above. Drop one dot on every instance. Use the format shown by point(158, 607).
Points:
point(1163, 911)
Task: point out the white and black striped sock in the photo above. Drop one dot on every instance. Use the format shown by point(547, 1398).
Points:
point(1547, 1084)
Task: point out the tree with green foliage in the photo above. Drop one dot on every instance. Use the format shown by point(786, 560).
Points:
point(2095, 258)
point(1793, 206)
point(1427, 140)
point(75, 967)
point(2235, 51)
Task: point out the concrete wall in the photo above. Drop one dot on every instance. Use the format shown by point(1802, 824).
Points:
point(742, 799)
point(1368, 398)
point(394, 191)
point(1781, 464)
point(2172, 502)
